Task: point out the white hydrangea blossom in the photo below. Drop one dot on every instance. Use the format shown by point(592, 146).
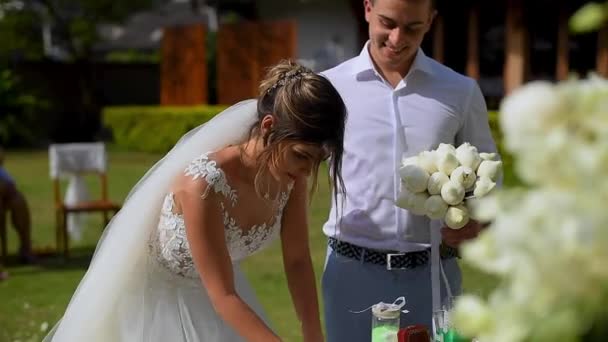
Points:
point(547, 243)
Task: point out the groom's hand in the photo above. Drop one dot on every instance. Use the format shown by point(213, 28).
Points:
point(454, 237)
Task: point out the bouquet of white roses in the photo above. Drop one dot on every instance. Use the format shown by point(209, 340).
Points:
point(443, 183)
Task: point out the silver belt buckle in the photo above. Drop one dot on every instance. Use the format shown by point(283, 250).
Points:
point(388, 261)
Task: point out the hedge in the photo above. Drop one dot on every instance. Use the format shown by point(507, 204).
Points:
point(156, 129)
point(153, 128)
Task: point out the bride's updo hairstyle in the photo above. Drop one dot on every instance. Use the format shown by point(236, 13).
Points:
point(306, 109)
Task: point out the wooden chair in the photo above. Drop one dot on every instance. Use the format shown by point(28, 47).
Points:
point(74, 160)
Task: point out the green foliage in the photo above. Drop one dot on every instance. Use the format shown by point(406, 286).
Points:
point(509, 176)
point(133, 56)
point(152, 128)
point(19, 122)
point(589, 18)
point(75, 22)
point(20, 33)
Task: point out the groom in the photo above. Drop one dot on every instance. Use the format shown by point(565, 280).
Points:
point(400, 103)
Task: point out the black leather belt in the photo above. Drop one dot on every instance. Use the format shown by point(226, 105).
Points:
point(392, 260)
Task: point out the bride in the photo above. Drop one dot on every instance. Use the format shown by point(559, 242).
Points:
point(166, 268)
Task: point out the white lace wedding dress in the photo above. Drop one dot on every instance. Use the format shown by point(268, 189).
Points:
point(175, 292)
point(142, 284)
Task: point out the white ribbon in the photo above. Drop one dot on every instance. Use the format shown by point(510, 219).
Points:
point(386, 309)
point(437, 270)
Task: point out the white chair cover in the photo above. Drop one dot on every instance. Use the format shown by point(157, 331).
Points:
point(72, 161)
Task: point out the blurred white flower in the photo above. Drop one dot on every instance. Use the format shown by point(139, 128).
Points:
point(528, 111)
point(547, 242)
point(472, 315)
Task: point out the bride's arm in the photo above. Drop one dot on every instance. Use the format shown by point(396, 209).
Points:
point(298, 264)
point(205, 233)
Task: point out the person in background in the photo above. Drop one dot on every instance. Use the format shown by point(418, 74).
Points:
point(14, 203)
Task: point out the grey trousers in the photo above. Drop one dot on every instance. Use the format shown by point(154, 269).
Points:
point(351, 285)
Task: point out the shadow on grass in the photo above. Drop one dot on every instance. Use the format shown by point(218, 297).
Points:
point(79, 258)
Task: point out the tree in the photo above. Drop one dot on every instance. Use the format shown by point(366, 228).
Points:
point(65, 30)
point(589, 18)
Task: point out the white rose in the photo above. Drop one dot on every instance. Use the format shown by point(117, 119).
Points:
point(483, 186)
point(436, 181)
point(452, 192)
point(413, 202)
point(447, 162)
point(489, 169)
point(405, 198)
point(443, 148)
point(414, 177)
point(465, 176)
point(427, 161)
point(456, 217)
point(467, 155)
point(488, 156)
point(418, 201)
point(413, 160)
point(435, 207)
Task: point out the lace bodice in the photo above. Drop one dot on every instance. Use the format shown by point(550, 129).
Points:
point(168, 243)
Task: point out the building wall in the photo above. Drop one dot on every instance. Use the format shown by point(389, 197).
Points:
point(327, 29)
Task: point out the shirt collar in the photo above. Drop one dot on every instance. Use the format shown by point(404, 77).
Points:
point(364, 64)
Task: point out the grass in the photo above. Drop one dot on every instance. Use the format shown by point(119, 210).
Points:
point(34, 297)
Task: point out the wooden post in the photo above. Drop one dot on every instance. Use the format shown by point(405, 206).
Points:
point(276, 40)
point(516, 54)
point(236, 63)
point(184, 66)
point(563, 58)
point(438, 40)
point(245, 50)
point(602, 51)
point(473, 43)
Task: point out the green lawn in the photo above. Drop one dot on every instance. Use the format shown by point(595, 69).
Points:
point(35, 296)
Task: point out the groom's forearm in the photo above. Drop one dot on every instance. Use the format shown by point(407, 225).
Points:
point(302, 286)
